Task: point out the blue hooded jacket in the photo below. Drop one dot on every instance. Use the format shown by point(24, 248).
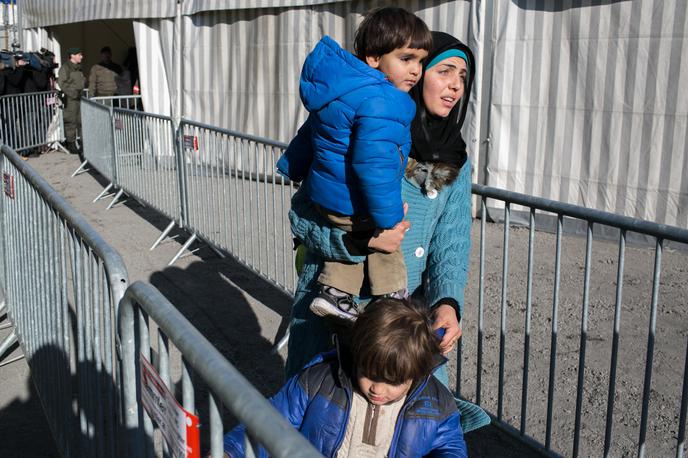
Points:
point(317, 402)
point(352, 149)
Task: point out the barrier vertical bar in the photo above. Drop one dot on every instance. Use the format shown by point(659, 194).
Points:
point(650, 349)
point(526, 332)
point(502, 329)
point(115, 161)
point(681, 439)
point(188, 398)
point(216, 445)
point(615, 344)
point(130, 380)
point(553, 344)
point(583, 341)
point(164, 371)
point(178, 135)
point(481, 301)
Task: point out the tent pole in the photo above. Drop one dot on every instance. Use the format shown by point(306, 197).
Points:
point(18, 35)
point(178, 44)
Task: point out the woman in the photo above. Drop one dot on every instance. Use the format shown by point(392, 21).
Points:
point(435, 237)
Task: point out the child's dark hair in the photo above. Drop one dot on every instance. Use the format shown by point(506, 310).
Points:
point(393, 341)
point(385, 29)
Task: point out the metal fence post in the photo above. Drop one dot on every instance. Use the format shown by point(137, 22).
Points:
point(133, 434)
point(115, 167)
point(178, 132)
point(3, 267)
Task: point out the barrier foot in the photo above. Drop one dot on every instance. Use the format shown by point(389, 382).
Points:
point(6, 344)
point(11, 360)
point(279, 345)
point(215, 250)
point(107, 188)
point(80, 169)
point(61, 148)
point(117, 196)
point(179, 253)
point(162, 236)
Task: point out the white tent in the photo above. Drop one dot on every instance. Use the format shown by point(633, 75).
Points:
point(578, 101)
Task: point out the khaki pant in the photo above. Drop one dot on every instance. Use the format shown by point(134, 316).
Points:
point(386, 272)
point(72, 119)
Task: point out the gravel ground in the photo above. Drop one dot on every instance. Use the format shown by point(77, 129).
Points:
point(669, 340)
point(243, 316)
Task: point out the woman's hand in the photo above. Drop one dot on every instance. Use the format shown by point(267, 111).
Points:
point(445, 317)
point(389, 240)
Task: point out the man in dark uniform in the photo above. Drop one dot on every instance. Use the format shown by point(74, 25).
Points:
point(72, 83)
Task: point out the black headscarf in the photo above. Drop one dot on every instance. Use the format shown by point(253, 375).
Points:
point(436, 139)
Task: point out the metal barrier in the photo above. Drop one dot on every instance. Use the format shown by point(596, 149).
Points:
point(98, 141)
point(228, 195)
point(146, 161)
point(227, 387)
point(235, 201)
point(510, 367)
point(30, 120)
point(62, 282)
point(216, 184)
point(128, 102)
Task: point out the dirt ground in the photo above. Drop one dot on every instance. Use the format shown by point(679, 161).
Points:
point(243, 316)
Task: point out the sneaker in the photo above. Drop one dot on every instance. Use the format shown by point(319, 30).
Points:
point(332, 302)
point(401, 294)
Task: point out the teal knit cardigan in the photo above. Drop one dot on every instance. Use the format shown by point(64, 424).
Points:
point(436, 252)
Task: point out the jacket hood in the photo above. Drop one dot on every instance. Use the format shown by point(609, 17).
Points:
point(330, 72)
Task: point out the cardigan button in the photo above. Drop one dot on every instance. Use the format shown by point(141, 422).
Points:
point(432, 194)
point(420, 252)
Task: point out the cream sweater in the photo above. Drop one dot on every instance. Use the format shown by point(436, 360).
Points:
point(370, 429)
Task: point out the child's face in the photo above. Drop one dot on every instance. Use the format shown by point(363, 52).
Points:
point(403, 66)
point(380, 393)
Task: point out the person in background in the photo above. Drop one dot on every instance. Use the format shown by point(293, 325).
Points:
point(102, 81)
point(72, 82)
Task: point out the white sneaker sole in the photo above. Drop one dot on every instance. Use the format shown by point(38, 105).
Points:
point(323, 308)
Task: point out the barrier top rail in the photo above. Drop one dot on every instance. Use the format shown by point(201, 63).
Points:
point(596, 216)
point(117, 271)
point(115, 97)
point(146, 114)
point(262, 421)
point(233, 133)
point(27, 94)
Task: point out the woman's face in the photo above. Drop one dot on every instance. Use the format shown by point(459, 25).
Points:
point(443, 85)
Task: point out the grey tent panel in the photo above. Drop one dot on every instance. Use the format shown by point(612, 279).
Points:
point(197, 6)
point(42, 13)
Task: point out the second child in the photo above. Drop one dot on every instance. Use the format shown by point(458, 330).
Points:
point(352, 150)
point(377, 398)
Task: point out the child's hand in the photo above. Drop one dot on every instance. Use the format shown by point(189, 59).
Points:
point(445, 317)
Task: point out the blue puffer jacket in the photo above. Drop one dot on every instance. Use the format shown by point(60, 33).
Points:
point(354, 145)
point(313, 401)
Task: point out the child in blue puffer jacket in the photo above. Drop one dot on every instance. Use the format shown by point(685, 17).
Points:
point(378, 399)
point(352, 150)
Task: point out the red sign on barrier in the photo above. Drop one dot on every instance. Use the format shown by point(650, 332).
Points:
point(119, 125)
point(8, 185)
point(191, 142)
point(178, 426)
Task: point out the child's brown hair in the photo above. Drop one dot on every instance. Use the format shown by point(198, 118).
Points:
point(393, 341)
point(385, 29)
